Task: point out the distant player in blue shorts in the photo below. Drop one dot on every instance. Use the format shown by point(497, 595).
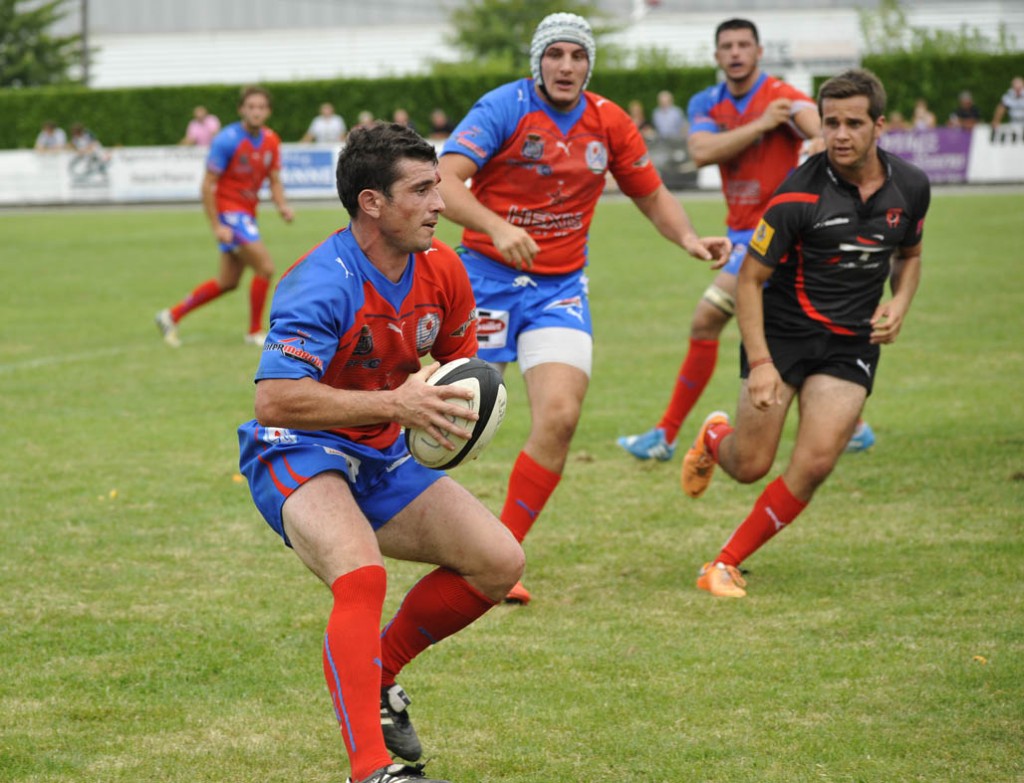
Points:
point(339, 377)
point(241, 157)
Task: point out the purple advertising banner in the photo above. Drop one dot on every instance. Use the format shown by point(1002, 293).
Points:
point(942, 152)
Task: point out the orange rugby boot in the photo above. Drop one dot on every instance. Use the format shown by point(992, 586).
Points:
point(698, 466)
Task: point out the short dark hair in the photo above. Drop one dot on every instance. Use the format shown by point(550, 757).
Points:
point(737, 24)
point(253, 89)
point(854, 82)
point(370, 158)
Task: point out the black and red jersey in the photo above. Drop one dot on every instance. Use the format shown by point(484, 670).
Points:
point(831, 251)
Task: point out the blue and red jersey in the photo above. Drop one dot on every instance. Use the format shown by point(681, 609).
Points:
point(241, 162)
point(545, 170)
point(337, 319)
point(750, 178)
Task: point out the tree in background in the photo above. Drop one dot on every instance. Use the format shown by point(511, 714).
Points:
point(29, 55)
point(887, 31)
point(496, 34)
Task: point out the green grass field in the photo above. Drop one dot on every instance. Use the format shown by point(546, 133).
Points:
point(153, 629)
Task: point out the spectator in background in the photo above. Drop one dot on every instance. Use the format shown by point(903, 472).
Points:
point(401, 117)
point(1012, 103)
point(90, 159)
point(440, 126)
point(923, 118)
point(51, 138)
point(896, 122)
point(639, 117)
point(81, 139)
point(365, 119)
point(669, 120)
point(201, 128)
point(966, 114)
point(326, 127)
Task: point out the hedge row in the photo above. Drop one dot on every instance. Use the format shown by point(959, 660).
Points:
point(940, 79)
point(158, 115)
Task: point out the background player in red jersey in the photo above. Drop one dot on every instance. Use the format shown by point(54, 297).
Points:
point(242, 156)
point(841, 226)
point(753, 126)
point(339, 377)
point(538, 151)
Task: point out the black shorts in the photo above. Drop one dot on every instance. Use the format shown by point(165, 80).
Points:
point(852, 359)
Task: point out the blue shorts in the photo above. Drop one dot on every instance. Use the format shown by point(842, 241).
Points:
point(277, 461)
point(510, 302)
point(740, 240)
point(244, 227)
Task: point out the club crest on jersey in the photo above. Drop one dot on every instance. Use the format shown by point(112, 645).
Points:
point(892, 217)
point(533, 147)
point(762, 237)
point(426, 331)
point(597, 157)
point(364, 344)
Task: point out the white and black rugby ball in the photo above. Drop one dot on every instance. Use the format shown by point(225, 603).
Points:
point(489, 400)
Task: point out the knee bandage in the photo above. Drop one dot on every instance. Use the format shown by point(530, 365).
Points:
point(720, 299)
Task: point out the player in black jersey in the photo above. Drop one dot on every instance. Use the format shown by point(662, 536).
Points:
point(810, 311)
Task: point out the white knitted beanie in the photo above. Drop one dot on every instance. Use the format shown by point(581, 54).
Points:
point(561, 27)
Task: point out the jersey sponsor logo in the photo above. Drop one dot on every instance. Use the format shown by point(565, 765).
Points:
point(492, 328)
point(347, 273)
point(573, 305)
point(643, 162)
point(426, 331)
point(597, 157)
point(279, 435)
point(564, 146)
point(466, 324)
point(762, 237)
point(572, 221)
point(301, 354)
point(352, 463)
point(366, 364)
point(533, 147)
point(364, 344)
point(839, 221)
point(892, 217)
point(464, 140)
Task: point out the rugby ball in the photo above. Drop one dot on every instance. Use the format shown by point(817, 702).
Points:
point(489, 401)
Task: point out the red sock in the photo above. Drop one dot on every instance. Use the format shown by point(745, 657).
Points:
point(529, 488)
point(774, 509)
point(352, 666)
point(715, 443)
point(201, 294)
point(437, 606)
point(694, 374)
point(257, 300)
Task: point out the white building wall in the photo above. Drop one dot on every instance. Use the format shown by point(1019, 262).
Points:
point(798, 43)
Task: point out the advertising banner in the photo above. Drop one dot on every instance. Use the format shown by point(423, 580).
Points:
point(997, 154)
point(942, 153)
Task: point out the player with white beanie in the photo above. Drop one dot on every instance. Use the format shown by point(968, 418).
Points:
point(537, 152)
